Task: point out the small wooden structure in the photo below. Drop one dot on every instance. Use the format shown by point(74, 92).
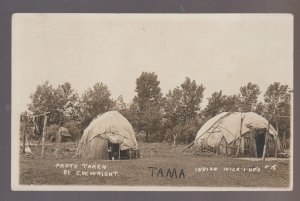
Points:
point(25, 133)
point(43, 135)
point(25, 121)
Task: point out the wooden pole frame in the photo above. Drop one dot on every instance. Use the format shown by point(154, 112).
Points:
point(43, 136)
point(38, 115)
point(276, 150)
point(265, 145)
point(255, 147)
point(58, 141)
point(276, 138)
point(196, 149)
point(218, 121)
point(240, 140)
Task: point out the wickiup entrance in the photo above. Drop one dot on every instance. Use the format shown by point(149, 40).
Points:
point(260, 142)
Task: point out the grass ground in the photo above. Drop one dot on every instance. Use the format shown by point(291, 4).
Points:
point(48, 170)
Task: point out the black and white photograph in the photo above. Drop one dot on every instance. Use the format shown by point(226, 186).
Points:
point(152, 102)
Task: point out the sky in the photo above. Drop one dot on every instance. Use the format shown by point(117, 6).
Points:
point(220, 51)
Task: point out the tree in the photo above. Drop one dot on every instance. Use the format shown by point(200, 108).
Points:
point(232, 103)
point(131, 114)
point(249, 96)
point(192, 95)
point(218, 102)
point(260, 108)
point(173, 107)
point(69, 101)
point(277, 106)
point(148, 90)
point(181, 107)
point(215, 104)
point(120, 105)
point(62, 102)
point(148, 100)
point(96, 101)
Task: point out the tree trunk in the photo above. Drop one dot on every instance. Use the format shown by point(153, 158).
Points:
point(174, 139)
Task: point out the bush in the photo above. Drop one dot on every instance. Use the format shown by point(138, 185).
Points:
point(189, 132)
point(51, 131)
point(141, 137)
point(186, 132)
point(73, 129)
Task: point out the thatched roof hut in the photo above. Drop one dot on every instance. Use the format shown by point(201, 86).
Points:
point(108, 129)
point(238, 133)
